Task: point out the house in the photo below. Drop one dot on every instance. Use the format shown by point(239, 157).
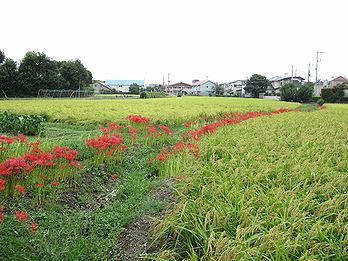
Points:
point(100, 87)
point(277, 82)
point(179, 87)
point(202, 88)
point(123, 85)
point(235, 88)
point(336, 81)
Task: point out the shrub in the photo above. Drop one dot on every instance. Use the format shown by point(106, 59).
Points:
point(147, 95)
point(288, 92)
point(333, 95)
point(320, 102)
point(25, 124)
point(296, 93)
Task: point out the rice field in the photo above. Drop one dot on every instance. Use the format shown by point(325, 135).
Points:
point(254, 179)
point(266, 189)
point(86, 111)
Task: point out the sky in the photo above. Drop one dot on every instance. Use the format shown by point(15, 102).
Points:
point(189, 39)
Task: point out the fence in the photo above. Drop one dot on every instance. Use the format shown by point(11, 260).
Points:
point(64, 93)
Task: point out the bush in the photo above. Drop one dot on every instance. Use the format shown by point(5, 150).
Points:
point(25, 124)
point(147, 95)
point(288, 92)
point(296, 93)
point(320, 102)
point(333, 95)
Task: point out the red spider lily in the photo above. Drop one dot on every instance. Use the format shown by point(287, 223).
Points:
point(152, 129)
point(40, 158)
point(35, 144)
point(193, 149)
point(137, 118)
point(187, 124)
point(75, 164)
point(104, 130)
point(2, 184)
point(20, 189)
point(1, 217)
point(20, 215)
point(39, 185)
point(14, 165)
point(21, 138)
point(55, 183)
point(178, 147)
point(105, 142)
point(33, 227)
point(165, 129)
point(132, 132)
point(5, 139)
point(114, 176)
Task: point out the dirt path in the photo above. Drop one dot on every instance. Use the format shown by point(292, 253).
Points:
point(135, 241)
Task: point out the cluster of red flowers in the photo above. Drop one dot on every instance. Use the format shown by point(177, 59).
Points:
point(178, 148)
point(110, 143)
point(20, 169)
point(137, 118)
point(20, 216)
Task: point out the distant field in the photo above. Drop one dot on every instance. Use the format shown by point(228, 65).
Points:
point(87, 111)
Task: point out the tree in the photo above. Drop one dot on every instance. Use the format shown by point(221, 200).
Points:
point(305, 92)
point(2, 57)
point(256, 84)
point(9, 78)
point(134, 88)
point(288, 92)
point(218, 89)
point(73, 74)
point(296, 93)
point(37, 71)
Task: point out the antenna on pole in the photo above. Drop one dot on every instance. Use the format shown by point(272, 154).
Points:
point(316, 66)
point(168, 79)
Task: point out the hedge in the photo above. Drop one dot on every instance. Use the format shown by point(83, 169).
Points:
point(147, 95)
point(333, 95)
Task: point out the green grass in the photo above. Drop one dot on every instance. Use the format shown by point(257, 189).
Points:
point(168, 110)
point(271, 188)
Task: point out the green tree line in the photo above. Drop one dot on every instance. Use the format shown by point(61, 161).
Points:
point(38, 71)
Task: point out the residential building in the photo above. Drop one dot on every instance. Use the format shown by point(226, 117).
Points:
point(179, 87)
point(202, 88)
point(277, 82)
point(336, 81)
point(123, 85)
point(235, 88)
point(100, 87)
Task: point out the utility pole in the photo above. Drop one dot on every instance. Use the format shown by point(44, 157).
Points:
point(309, 72)
point(316, 66)
point(79, 89)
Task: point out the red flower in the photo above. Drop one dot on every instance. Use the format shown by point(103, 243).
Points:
point(114, 176)
point(6, 139)
point(39, 185)
point(2, 184)
point(20, 189)
point(20, 137)
point(0, 216)
point(33, 227)
point(21, 215)
point(137, 118)
point(165, 129)
point(55, 183)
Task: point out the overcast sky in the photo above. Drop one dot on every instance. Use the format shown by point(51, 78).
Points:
point(147, 39)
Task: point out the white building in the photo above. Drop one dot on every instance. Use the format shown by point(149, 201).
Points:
point(235, 88)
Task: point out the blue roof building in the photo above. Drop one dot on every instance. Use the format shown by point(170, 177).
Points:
point(123, 85)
